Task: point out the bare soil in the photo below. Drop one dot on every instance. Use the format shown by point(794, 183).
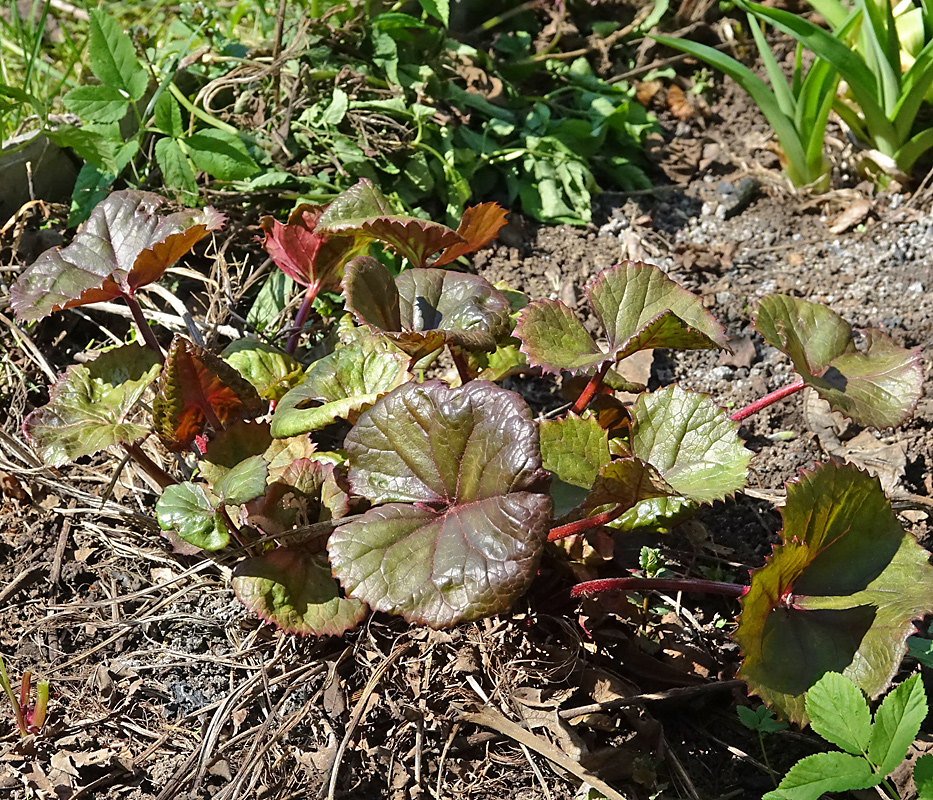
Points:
point(165, 687)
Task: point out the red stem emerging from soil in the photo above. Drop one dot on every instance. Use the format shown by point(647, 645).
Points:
point(153, 470)
point(145, 331)
point(300, 320)
point(590, 389)
point(767, 400)
point(657, 584)
point(587, 524)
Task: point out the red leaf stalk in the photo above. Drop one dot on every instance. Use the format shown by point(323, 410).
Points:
point(587, 524)
point(145, 331)
point(301, 318)
point(657, 584)
point(590, 389)
point(767, 400)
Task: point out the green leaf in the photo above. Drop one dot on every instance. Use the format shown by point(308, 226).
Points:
point(573, 450)
point(897, 723)
point(245, 482)
point(838, 595)
point(187, 509)
point(92, 146)
point(292, 587)
point(337, 110)
point(271, 371)
point(640, 308)
point(879, 386)
point(923, 777)
point(97, 103)
point(691, 442)
point(220, 154)
point(439, 9)
point(90, 406)
point(232, 445)
point(113, 58)
point(167, 115)
point(761, 720)
point(469, 460)
point(838, 712)
point(176, 168)
point(340, 386)
point(813, 776)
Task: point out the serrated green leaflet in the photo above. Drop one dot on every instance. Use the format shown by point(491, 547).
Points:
point(691, 442)
point(573, 450)
point(220, 154)
point(97, 103)
point(839, 595)
point(838, 712)
point(470, 460)
point(877, 386)
point(292, 587)
point(187, 509)
point(113, 58)
point(897, 723)
point(91, 405)
point(813, 776)
point(339, 386)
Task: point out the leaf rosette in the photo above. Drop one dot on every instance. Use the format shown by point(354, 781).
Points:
point(466, 509)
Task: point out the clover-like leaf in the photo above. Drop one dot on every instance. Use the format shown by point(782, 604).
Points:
point(192, 513)
point(573, 450)
point(691, 442)
point(123, 245)
point(838, 595)
point(364, 212)
point(478, 226)
point(423, 309)
point(272, 371)
point(90, 406)
point(340, 386)
point(469, 459)
point(308, 256)
point(640, 309)
point(877, 386)
point(292, 587)
point(197, 388)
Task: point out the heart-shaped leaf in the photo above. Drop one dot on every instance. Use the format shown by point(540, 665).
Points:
point(123, 245)
point(364, 212)
point(197, 388)
point(90, 406)
point(691, 442)
point(877, 386)
point(339, 386)
point(470, 461)
point(478, 226)
point(292, 587)
point(640, 309)
point(838, 595)
point(423, 309)
point(272, 371)
point(306, 255)
point(192, 513)
point(573, 450)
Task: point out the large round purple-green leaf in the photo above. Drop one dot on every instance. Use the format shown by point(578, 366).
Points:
point(838, 595)
point(90, 407)
point(292, 587)
point(877, 386)
point(469, 460)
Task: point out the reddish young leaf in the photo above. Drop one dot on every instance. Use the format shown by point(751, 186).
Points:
point(197, 388)
point(309, 257)
point(478, 226)
point(123, 246)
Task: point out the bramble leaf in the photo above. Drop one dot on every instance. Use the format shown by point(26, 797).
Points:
point(271, 371)
point(470, 461)
point(838, 595)
point(813, 776)
point(90, 405)
point(340, 386)
point(879, 386)
point(292, 587)
point(363, 211)
point(123, 245)
point(691, 442)
point(304, 253)
point(640, 309)
point(196, 388)
point(897, 723)
point(573, 450)
point(923, 777)
point(189, 510)
point(478, 226)
point(97, 103)
point(838, 712)
point(220, 154)
point(113, 58)
point(423, 309)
